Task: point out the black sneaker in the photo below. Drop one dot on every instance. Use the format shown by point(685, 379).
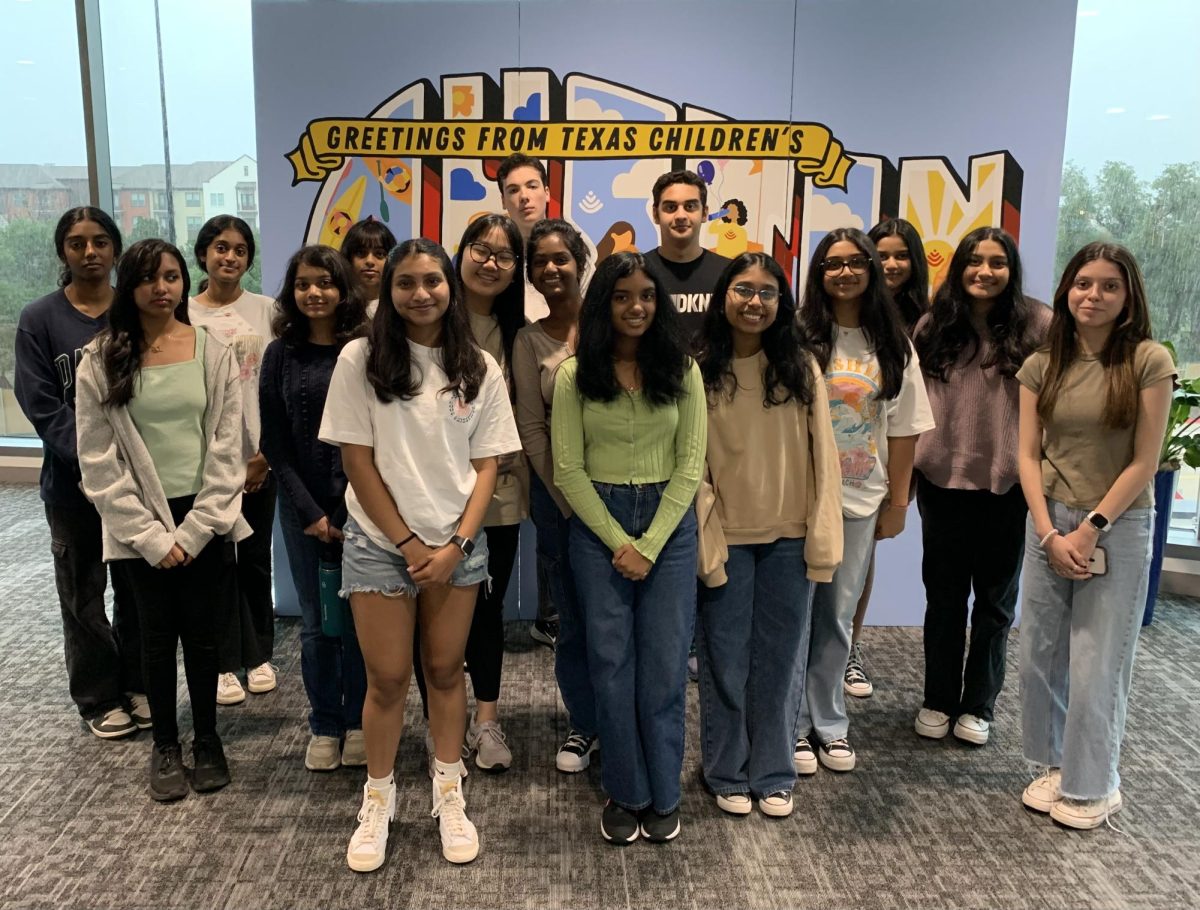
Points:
point(659, 829)
point(545, 633)
point(211, 772)
point(167, 778)
point(576, 753)
point(618, 825)
point(111, 724)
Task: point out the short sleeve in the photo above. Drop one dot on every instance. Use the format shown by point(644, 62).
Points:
point(1032, 372)
point(347, 416)
point(495, 433)
point(1156, 364)
point(909, 413)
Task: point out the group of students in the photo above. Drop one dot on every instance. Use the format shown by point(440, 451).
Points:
point(727, 475)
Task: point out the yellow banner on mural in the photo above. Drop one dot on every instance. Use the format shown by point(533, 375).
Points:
point(327, 143)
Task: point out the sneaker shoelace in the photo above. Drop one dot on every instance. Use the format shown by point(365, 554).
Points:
point(803, 745)
point(451, 810)
point(838, 745)
point(372, 824)
point(493, 731)
point(229, 681)
point(576, 742)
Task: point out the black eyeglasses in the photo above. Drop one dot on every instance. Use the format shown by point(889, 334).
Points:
point(481, 253)
point(856, 264)
point(744, 293)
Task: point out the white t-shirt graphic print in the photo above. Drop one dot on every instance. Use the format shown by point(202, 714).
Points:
point(862, 421)
point(423, 446)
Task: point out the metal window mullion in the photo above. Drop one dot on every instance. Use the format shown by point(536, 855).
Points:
point(95, 106)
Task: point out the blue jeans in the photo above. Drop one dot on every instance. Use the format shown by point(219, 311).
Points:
point(570, 651)
point(1077, 644)
point(823, 707)
point(638, 634)
point(751, 634)
point(334, 676)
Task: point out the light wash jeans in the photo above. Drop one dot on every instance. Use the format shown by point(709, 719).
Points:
point(823, 708)
point(750, 636)
point(1077, 645)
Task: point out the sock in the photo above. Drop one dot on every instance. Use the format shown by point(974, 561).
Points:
point(446, 776)
point(381, 784)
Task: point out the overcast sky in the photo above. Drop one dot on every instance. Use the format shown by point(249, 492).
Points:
point(1135, 88)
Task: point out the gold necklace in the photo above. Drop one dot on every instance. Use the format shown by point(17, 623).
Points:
point(156, 348)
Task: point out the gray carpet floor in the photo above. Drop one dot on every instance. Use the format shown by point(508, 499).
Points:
point(920, 824)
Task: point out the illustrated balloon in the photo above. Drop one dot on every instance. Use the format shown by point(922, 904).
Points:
point(706, 171)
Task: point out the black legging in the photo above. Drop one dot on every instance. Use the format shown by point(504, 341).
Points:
point(485, 642)
point(174, 606)
point(246, 636)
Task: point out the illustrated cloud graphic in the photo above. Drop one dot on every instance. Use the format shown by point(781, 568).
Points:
point(587, 109)
point(637, 182)
point(823, 215)
point(465, 187)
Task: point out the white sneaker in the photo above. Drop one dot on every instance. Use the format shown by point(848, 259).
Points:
point(229, 690)
point(323, 754)
point(368, 844)
point(932, 724)
point(1043, 793)
point(354, 750)
point(460, 840)
point(972, 729)
point(261, 679)
point(1086, 814)
point(776, 805)
point(804, 759)
point(735, 803)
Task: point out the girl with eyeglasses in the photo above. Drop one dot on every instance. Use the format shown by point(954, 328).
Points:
point(489, 266)
point(629, 437)
point(971, 344)
point(773, 504)
point(878, 406)
point(1093, 410)
point(421, 416)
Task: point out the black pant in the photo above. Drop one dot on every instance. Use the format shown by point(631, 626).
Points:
point(972, 539)
point(180, 605)
point(103, 661)
point(247, 628)
point(485, 642)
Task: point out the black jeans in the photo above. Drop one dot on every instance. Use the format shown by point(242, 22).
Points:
point(180, 605)
point(103, 661)
point(485, 642)
point(973, 539)
point(247, 628)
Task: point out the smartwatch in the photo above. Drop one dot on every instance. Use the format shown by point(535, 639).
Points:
point(463, 543)
point(1098, 521)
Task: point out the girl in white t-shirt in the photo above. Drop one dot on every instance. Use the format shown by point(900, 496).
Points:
point(242, 320)
point(421, 415)
point(878, 405)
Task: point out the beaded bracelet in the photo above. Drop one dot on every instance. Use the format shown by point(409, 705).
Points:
point(1049, 534)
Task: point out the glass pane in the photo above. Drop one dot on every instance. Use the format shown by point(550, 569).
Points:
point(42, 171)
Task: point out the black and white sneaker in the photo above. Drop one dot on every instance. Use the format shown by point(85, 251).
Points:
point(545, 633)
point(618, 825)
point(112, 724)
point(856, 682)
point(576, 753)
point(659, 829)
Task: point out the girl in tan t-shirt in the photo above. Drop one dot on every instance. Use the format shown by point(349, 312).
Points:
point(1100, 383)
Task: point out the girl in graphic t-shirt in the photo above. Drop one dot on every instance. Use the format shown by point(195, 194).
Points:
point(1093, 410)
point(242, 320)
point(421, 415)
point(878, 406)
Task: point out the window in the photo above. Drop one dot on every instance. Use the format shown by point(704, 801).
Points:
point(191, 199)
point(246, 202)
point(245, 170)
point(194, 223)
point(216, 198)
point(137, 200)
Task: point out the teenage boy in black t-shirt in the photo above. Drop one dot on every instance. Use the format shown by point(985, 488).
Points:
point(688, 270)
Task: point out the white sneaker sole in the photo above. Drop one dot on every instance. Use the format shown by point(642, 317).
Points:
point(570, 763)
point(974, 737)
point(1037, 805)
point(365, 864)
point(859, 691)
point(773, 811)
point(805, 767)
point(931, 731)
point(1059, 813)
point(231, 699)
point(260, 688)
point(734, 807)
point(841, 765)
point(461, 854)
point(112, 734)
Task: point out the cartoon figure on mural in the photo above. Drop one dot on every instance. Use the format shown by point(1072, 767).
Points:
point(620, 238)
point(729, 228)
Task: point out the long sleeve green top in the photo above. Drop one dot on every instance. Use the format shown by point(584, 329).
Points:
point(627, 441)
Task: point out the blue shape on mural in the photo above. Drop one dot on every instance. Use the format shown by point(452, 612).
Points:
point(531, 109)
point(465, 187)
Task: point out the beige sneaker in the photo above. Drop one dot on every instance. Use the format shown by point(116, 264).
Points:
point(261, 679)
point(323, 754)
point(354, 750)
point(1086, 814)
point(229, 690)
point(1043, 793)
point(460, 840)
point(368, 844)
point(489, 745)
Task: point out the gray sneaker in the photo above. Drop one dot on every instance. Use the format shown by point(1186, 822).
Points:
point(488, 742)
point(112, 724)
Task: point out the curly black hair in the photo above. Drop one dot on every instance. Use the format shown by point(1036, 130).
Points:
point(742, 216)
point(788, 375)
point(661, 355)
point(389, 360)
point(289, 321)
point(881, 322)
point(948, 333)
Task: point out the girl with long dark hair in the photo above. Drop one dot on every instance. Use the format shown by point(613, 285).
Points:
point(978, 333)
point(319, 310)
point(1093, 410)
point(878, 407)
point(556, 259)
point(365, 248)
point(421, 415)
point(160, 441)
point(629, 437)
point(242, 320)
point(775, 517)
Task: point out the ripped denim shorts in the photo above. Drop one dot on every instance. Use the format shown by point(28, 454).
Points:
point(368, 568)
